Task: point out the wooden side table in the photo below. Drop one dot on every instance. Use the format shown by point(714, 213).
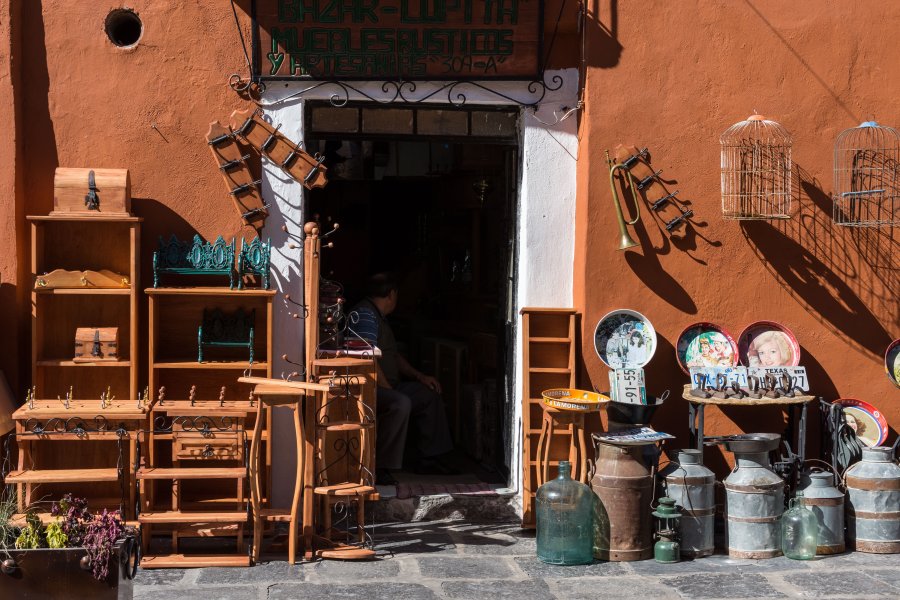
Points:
point(553, 422)
point(301, 398)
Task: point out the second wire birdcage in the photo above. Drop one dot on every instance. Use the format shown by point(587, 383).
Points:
point(756, 170)
point(866, 186)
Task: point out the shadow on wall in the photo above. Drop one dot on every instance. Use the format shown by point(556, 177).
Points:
point(41, 155)
point(602, 22)
point(843, 276)
point(8, 351)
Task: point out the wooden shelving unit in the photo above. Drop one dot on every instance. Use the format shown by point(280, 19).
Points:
point(193, 475)
point(81, 444)
point(548, 344)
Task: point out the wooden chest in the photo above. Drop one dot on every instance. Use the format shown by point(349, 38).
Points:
point(96, 344)
point(92, 192)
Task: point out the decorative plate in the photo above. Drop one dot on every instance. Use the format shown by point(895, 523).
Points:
point(892, 362)
point(768, 344)
point(867, 421)
point(573, 400)
point(705, 345)
point(624, 339)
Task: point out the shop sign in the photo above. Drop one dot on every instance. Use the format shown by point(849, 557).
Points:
point(397, 39)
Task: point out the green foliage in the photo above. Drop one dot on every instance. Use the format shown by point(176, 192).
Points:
point(56, 538)
point(8, 508)
point(31, 537)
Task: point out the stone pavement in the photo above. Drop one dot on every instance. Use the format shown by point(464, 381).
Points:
point(455, 559)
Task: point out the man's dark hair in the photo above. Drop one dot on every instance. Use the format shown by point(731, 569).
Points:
point(381, 285)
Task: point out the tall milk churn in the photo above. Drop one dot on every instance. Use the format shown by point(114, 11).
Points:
point(624, 486)
point(692, 486)
point(827, 503)
point(754, 497)
point(873, 502)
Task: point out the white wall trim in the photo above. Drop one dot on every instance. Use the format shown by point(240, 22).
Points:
point(545, 231)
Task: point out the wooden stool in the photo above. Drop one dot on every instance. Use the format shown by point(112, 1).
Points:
point(291, 394)
point(553, 421)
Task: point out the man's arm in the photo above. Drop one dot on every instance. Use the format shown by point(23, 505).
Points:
point(408, 370)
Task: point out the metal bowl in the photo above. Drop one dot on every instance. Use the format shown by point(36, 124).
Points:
point(748, 442)
point(632, 414)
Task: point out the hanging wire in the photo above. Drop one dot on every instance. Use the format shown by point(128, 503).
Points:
point(235, 80)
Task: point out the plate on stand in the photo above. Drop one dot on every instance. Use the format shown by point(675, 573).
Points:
point(768, 344)
point(867, 421)
point(705, 345)
point(624, 339)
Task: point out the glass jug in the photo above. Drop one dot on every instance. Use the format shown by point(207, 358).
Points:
point(564, 523)
point(799, 531)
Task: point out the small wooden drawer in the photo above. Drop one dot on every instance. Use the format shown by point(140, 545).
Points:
point(216, 446)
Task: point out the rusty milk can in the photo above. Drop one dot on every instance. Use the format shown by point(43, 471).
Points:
point(754, 497)
point(873, 502)
point(624, 486)
point(827, 503)
point(693, 487)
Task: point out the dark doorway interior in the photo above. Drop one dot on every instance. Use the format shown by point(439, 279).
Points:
point(440, 214)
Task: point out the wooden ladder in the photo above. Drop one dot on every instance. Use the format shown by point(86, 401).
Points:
point(548, 350)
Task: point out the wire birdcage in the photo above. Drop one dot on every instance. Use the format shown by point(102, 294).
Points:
point(866, 186)
point(756, 170)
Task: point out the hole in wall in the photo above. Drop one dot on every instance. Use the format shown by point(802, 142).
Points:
point(123, 27)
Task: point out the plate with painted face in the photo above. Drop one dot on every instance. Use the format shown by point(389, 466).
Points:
point(892, 362)
point(705, 345)
point(768, 344)
point(624, 339)
point(867, 421)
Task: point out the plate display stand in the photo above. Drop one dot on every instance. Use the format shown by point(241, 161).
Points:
point(76, 432)
point(193, 478)
point(548, 344)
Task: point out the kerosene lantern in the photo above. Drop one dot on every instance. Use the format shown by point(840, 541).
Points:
point(667, 549)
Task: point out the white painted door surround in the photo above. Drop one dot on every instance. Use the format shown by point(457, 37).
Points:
point(545, 230)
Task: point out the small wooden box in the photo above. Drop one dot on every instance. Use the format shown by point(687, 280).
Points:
point(112, 189)
point(96, 344)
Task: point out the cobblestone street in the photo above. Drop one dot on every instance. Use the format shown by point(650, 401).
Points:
point(453, 559)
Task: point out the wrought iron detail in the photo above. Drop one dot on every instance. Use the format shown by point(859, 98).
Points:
point(221, 330)
point(205, 426)
point(74, 425)
point(254, 259)
point(455, 93)
point(194, 258)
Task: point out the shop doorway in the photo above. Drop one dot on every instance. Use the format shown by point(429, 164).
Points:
point(430, 194)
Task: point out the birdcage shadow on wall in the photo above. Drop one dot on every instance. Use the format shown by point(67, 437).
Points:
point(866, 174)
point(756, 170)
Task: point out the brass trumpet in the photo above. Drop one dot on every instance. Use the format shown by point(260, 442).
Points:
point(625, 240)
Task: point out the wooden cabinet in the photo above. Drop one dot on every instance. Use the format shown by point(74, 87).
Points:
point(193, 479)
point(77, 431)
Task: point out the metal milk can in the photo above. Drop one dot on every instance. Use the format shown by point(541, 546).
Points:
point(692, 486)
point(873, 502)
point(754, 497)
point(827, 503)
point(624, 486)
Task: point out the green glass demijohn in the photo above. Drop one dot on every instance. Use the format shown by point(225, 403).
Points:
point(799, 531)
point(564, 522)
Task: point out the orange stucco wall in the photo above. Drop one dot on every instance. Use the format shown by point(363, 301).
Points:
point(673, 76)
point(668, 75)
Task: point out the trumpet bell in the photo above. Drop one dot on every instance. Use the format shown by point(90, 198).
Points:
point(626, 241)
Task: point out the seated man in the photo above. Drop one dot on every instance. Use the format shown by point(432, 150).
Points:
point(415, 401)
